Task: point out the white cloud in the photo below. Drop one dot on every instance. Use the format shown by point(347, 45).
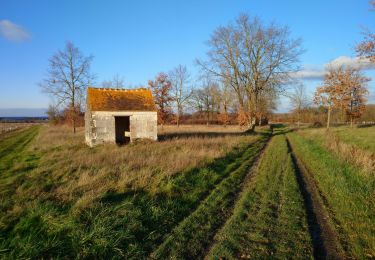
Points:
point(13, 32)
point(311, 73)
point(356, 62)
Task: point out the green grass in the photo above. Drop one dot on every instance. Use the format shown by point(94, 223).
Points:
point(198, 229)
point(349, 195)
point(36, 223)
point(136, 208)
point(269, 221)
point(363, 138)
point(13, 150)
point(15, 159)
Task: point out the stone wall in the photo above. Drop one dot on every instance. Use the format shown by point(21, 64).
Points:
point(100, 126)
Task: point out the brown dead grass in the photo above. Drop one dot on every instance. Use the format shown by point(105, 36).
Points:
point(362, 158)
point(365, 159)
point(80, 174)
point(10, 127)
point(171, 129)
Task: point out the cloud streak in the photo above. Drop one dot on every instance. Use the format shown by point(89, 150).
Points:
point(13, 32)
point(310, 73)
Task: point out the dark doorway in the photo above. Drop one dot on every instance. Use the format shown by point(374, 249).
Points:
point(122, 127)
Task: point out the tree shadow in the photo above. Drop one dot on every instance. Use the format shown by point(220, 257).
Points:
point(159, 212)
point(169, 136)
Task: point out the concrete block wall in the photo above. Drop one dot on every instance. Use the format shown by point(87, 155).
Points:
point(100, 126)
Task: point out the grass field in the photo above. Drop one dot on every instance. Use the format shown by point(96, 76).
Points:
point(200, 192)
point(354, 145)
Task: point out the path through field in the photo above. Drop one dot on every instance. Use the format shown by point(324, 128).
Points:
point(279, 195)
point(277, 210)
point(13, 146)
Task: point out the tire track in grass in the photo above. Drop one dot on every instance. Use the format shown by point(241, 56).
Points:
point(192, 236)
point(12, 147)
point(323, 234)
point(269, 220)
point(247, 179)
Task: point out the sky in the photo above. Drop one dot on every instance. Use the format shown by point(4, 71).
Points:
point(138, 39)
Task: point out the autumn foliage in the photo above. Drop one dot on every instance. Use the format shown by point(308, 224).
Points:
point(242, 117)
point(161, 88)
point(343, 88)
point(223, 118)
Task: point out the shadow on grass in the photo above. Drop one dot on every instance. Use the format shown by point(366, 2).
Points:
point(120, 225)
point(159, 213)
point(169, 136)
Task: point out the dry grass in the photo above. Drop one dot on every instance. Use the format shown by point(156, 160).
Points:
point(9, 127)
point(94, 171)
point(362, 158)
point(170, 129)
point(336, 141)
point(61, 198)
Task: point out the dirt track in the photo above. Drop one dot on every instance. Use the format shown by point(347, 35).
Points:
point(252, 170)
point(324, 237)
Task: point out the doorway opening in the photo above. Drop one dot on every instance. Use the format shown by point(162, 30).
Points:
point(122, 129)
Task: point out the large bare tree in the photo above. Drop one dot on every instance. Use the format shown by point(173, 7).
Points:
point(67, 78)
point(181, 92)
point(254, 58)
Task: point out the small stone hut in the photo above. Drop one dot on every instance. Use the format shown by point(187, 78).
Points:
point(119, 115)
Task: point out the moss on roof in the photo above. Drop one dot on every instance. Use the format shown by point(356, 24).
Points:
point(107, 99)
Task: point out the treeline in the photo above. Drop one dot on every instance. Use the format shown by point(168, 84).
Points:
point(317, 116)
point(249, 64)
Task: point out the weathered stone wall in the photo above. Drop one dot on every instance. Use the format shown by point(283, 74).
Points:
point(100, 126)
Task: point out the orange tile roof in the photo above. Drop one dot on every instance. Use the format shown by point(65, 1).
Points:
point(108, 99)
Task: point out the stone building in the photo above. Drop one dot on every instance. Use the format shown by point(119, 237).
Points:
point(119, 115)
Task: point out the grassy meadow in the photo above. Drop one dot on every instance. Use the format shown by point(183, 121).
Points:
point(199, 192)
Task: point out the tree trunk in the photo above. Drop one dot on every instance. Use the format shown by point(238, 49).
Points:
point(252, 123)
point(329, 117)
point(299, 118)
point(351, 121)
point(74, 124)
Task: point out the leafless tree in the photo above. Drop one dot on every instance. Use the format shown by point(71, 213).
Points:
point(181, 92)
point(206, 99)
point(299, 100)
point(253, 58)
point(116, 82)
point(67, 78)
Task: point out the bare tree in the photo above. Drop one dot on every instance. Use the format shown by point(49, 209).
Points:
point(299, 100)
point(67, 78)
point(226, 99)
point(181, 93)
point(253, 58)
point(116, 82)
point(206, 99)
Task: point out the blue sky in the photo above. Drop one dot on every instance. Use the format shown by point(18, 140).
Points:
point(138, 39)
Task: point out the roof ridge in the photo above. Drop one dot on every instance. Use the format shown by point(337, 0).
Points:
point(121, 89)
